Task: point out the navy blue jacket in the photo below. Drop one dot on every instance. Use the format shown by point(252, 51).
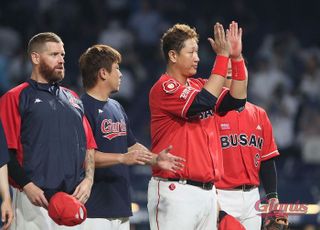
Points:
point(44, 124)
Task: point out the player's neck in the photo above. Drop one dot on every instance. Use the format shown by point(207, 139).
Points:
point(176, 74)
point(36, 76)
point(99, 94)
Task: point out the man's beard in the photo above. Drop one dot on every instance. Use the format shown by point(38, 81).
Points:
point(50, 74)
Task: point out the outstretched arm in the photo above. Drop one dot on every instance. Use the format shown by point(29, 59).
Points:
point(164, 160)
point(133, 156)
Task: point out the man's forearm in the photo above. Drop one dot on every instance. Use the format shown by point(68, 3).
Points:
point(89, 164)
point(4, 186)
point(238, 88)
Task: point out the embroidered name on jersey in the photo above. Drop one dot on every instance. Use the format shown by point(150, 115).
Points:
point(234, 140)
point(185, 93)
point(112, 129)
point(206, 114)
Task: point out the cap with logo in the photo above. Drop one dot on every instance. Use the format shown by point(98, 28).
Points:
point(65, 209)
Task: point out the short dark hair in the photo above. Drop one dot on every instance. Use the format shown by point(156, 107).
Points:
point(175, 37)
point(37, 41)
point(95, 58)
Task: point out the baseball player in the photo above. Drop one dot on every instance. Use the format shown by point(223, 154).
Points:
point(50, 142)
point(6, 209)
point(109, 206)
point(248, 150)
point(182, 112)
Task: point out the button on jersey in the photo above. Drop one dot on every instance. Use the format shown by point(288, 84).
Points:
point(194, 139)
point(247, 140)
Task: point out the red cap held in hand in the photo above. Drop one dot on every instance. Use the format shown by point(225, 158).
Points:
point(65, 209)
point(228, 222)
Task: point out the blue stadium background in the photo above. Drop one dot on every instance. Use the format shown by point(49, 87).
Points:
point(281, 46)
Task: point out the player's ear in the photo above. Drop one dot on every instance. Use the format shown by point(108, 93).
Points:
point(35, 58)
point(103, 73)
point(172, 54)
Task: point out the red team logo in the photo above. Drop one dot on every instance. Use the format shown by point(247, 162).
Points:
point(113, 129)
point(291, 209)
point(170, 86)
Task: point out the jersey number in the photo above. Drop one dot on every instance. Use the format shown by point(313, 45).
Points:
point(257, 160)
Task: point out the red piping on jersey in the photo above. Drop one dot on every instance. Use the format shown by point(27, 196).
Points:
point(157, 221)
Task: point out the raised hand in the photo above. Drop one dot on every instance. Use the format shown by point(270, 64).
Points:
point(35, 195)
point(234, 37)
point(220, 43)
point(167, 161)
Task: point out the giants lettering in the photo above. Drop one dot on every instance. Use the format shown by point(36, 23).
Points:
point(113, 129)
point(234, 140)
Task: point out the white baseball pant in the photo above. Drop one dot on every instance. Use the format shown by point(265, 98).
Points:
point(30, 217)
point(241, 205)
point(173, 205)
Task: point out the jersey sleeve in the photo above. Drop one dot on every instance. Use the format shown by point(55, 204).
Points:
point(269, 148)
point(11, 119)
point(221, 97)
point(4, 154)
point(91, 143)
point(173, 98)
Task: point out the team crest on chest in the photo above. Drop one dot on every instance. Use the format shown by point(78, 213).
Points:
point(112, 129)
point(170, 86)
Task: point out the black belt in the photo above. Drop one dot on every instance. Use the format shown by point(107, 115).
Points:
point(205, 186)
point(245, 187)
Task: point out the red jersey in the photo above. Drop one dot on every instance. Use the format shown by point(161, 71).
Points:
point(246, 139)
point(193, 139)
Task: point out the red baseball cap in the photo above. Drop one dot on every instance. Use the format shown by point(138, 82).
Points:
point(228, 222)
point(65, 209)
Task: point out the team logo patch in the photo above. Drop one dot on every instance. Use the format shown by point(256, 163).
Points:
point(225, 126)
point(170, 86)
point(75, 102)
point(37, 100)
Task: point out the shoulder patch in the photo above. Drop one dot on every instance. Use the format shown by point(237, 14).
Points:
point(170, 86)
